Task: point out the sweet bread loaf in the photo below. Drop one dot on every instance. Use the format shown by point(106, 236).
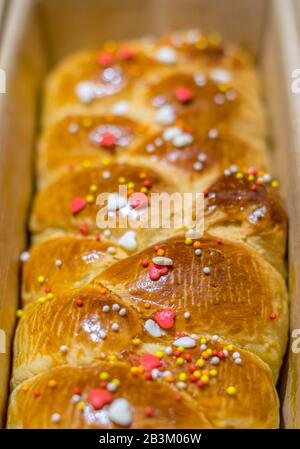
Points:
point(152, 327)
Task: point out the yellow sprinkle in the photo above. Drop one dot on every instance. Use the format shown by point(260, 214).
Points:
point(104, 375)
point(205, 379)
point(203, 340)
point(136, 341)
point(251, 178)
point(188, 241)
point(213, 372)
point(19, 313)
point(105, 161)
point(200, 363)
point(202, 43)
point(111, 358)
point(116, 382)
point(93, 188)
point(180, 348)
point(229, 348)
point(80, 405)
point(180, 361)
point(205, 355)
point(86, 164)
point(197, 373)
point(223, 87)
point(231, 390)
point(182, 376)
point(141, 369)
point(90, 199)
point(131, 185)
point(42, 299)
point(274, 184)
point(50, 295)
point(159, 354)
point(143, 190)
point(41, 279)
point(239, 175)
point(209, 351)
point(25, 388)
point(121, 179)
point(87, 122)
point(134, 369)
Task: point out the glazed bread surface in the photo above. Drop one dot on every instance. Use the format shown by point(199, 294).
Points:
point(152, 327)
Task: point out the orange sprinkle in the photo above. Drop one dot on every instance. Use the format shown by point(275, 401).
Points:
point(160, 252)
point(52, 383)
point(147, 305)
point(197, 244)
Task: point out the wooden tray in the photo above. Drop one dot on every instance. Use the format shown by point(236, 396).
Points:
point(38, 33)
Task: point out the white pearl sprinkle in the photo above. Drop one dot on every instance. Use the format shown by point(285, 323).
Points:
point(206, 270)
point(102, 334)
point(166, 55)
point(106, 174)
point(186, 342)
point(198, 252)
point(116, 307)
point(215, 360)
point(171, 132)
point(150, 148)
point(122, 312)
point(155, 373)
point(200, 79)
point(181, 385)
point(187, 315)
point(85, 91)
point(73, 128)
point(166, 374)
point(25, 256)
point(225, 352)
point(76, 398)
point(58, 263)
point(107, 233)
point(203, 347)
point(120, 412)
point(120, 108)
point(112, 387)
point(105, 309)
point(226, 172)
point(234, 168)
point(238, 361)
point(56, 417)
point(168, 350)
point(111, 250)
point(236, 355)
point(115, 327)
point(221, 76)
point(215, 337)
point(213, 133)
point(197, 166)
point(202, 157)
point(182, 140)
point(165, 115)
point(64, 348)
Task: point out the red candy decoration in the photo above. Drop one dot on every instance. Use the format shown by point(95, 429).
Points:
point(105, 59)
point(77, 204)
point(108, 140)
point(79, 302)
point(145, 263)
point(84, 229)
point(156, 271)
point(165, 318)
point(184, 94)
point(148, 411)
point(98, 398)
point(149, 362)
point(273, 316)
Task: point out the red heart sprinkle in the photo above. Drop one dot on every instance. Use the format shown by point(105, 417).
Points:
point(156, 271)
point(149, 362)
point(105, 59)
point(98, 398)
point(108, 140)
point(77, 204)
point(184, 94)
point(165, 318)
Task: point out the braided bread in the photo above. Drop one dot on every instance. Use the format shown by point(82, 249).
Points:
point(152, 327)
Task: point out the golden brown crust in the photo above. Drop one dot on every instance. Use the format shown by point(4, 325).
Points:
point(235, 299)
point(212, 395)
point(65, 263)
